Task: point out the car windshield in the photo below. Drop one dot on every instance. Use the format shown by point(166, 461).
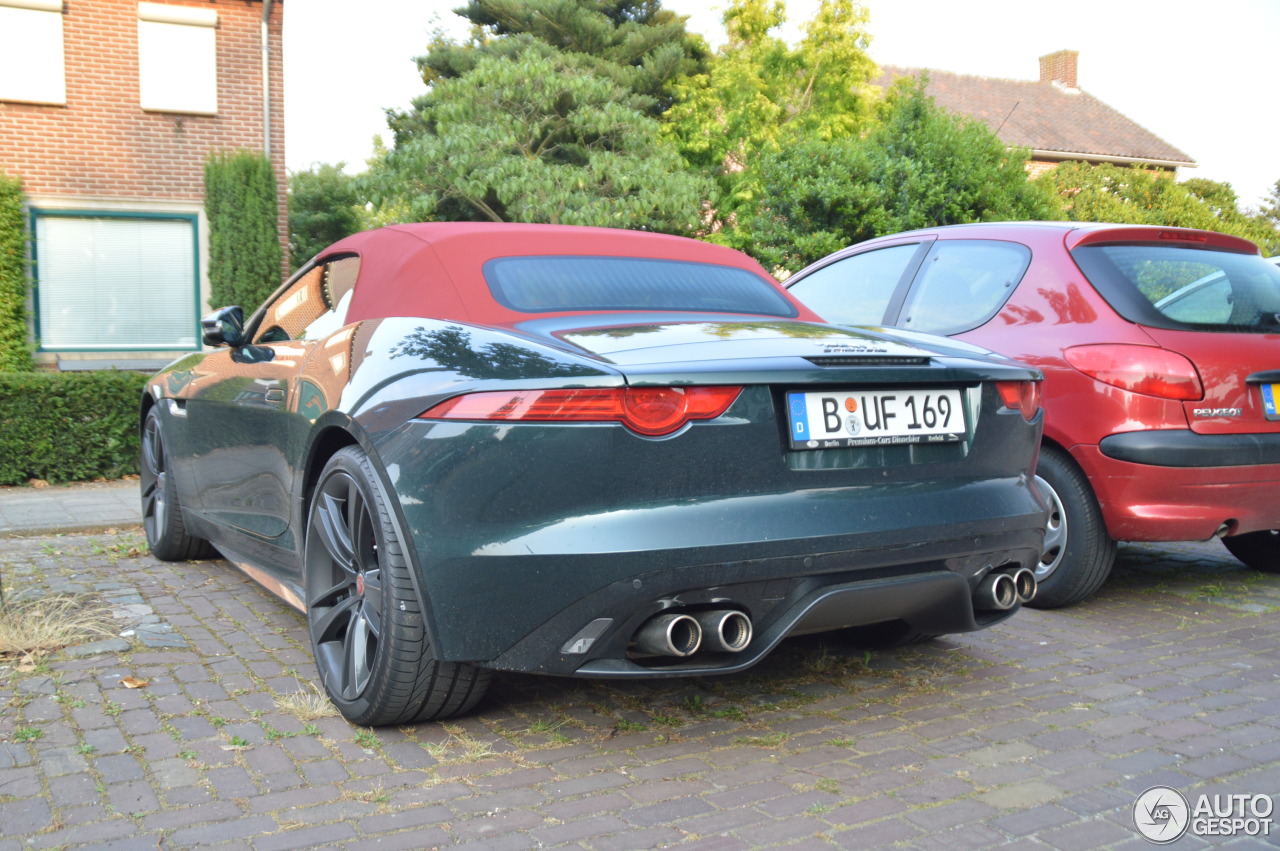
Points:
point(1175, 287)
point(551, 284)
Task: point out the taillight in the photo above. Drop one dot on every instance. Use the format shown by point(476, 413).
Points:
point(1149, 370)
point(1021, 396)
point(651, 411)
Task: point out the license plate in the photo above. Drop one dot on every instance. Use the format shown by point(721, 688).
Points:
point(1269, 396)
point(834, 418)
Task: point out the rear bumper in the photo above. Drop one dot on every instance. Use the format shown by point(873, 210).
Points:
point(789, 596)
point(524, 536)
point(1172, 495)
point(791, 562)
point(1184, 448)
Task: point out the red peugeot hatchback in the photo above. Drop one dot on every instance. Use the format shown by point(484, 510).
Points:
point(1161, 354)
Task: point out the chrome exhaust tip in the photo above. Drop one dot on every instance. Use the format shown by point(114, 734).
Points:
point(1024, 582)
point(997, 591)
point(726, 631)
point(669, 635)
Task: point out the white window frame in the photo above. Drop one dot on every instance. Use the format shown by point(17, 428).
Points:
point(177, 59)
point(33, 63)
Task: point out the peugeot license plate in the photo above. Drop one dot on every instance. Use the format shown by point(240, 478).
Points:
point(1270, 393)
point(835, 418)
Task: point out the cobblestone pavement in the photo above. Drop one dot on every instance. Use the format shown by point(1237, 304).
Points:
point(1040, 732)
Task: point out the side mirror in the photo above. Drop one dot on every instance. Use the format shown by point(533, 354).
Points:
point(223, 327)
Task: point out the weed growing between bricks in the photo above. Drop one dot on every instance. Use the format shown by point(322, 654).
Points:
point(1047, 727)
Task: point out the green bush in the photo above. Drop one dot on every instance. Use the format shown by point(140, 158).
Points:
point(68, 426)
point(244, 239)
point(15, 350)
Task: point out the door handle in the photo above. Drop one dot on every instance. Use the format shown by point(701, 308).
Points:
point(274, 395)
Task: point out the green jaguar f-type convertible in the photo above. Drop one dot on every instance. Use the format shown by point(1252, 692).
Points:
point(463, 448)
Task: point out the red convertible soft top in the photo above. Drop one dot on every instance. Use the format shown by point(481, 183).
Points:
point(435, 269)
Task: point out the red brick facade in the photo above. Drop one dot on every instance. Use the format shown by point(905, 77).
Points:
point(101, 148)
point(101, 144)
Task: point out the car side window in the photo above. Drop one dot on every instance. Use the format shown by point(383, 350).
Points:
point(315, 305)
point(962, 284)
point(857, 289)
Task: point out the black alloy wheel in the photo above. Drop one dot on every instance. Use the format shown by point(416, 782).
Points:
point(367, 627)
point(161, 511)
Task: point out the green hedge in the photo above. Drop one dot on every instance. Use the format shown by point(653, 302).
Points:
point(244, 237)
point(15, 350)
point(68, 426)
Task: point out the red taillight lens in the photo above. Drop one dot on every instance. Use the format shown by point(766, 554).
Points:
point(651, 411)
point(1021, 396)
point(1149, 370)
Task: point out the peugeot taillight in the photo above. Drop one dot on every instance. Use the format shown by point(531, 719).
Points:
point(1149, 370)
point(1021, 396)
point(651, 411)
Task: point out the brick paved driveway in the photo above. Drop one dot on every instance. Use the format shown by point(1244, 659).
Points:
point(1037, 733)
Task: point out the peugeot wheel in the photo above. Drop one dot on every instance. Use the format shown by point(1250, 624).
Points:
point(1077, 553)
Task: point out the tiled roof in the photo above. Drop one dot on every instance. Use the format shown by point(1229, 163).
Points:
point(1045, 117)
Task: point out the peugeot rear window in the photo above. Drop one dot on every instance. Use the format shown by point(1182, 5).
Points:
point(1180, 288)
point(551, 284)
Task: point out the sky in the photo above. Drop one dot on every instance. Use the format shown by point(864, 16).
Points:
point(1198, 74)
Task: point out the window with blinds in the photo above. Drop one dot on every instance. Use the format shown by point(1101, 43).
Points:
point(115, 283)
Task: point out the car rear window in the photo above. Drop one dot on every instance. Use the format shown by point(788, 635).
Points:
point(551, 284)
point(1179, 288)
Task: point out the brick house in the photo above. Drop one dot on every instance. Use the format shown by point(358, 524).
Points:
point(1052, 116)
point(108, 110)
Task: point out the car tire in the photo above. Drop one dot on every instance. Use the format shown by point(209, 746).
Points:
point(1078, 553)
point(1259, 550)
point(368, 629)
point(162, 519)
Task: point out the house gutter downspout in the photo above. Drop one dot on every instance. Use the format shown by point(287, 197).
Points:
point(266, 79)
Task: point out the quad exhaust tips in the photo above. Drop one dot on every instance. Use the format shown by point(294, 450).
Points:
point(676, 634)
point(1003, 590)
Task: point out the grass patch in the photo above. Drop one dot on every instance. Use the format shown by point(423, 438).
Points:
point(31, 627)
point(306, 705)
point(772, 740)
point(459, 747)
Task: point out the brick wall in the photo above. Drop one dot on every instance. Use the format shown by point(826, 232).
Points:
point(1035, 168)
point(101, 145)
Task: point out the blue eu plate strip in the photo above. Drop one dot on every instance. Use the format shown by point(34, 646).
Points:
point(799, 416)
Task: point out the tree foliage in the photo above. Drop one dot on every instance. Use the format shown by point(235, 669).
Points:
point(1271, 205)
point(1111, 193)
point(919, 167)
point(324, 207)
point(244, 243)
point(537, 138)
point(761, 94)
point(15, 350)
point(639, 46)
